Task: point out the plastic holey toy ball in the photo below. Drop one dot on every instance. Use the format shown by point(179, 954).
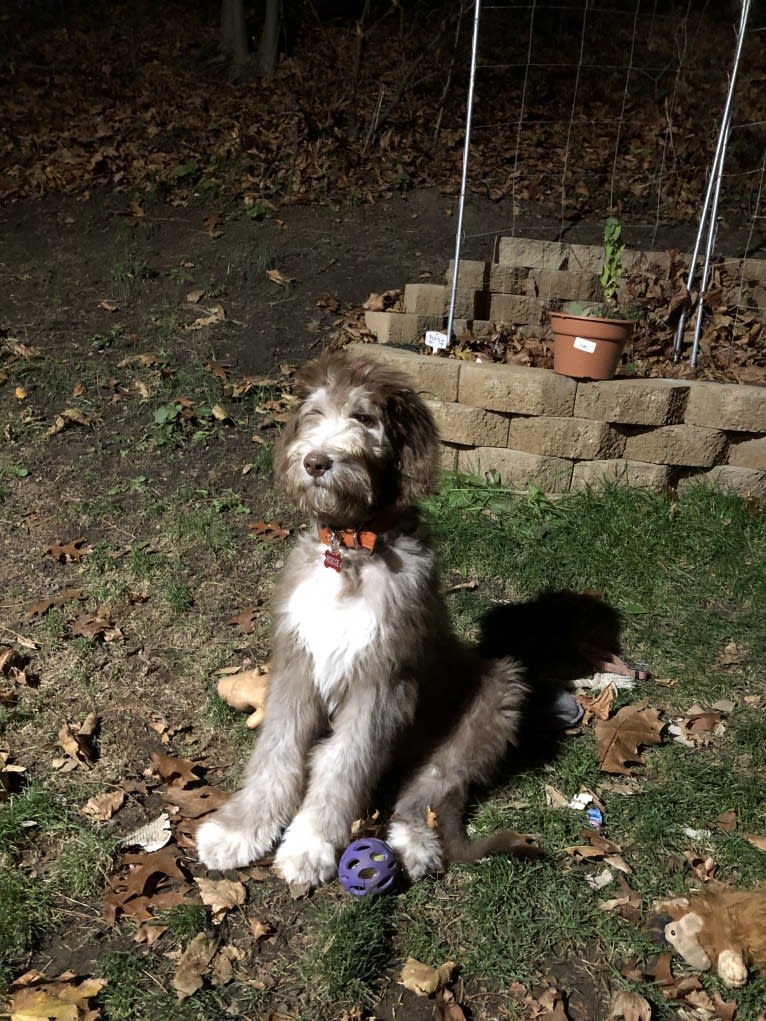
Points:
point(367, 867)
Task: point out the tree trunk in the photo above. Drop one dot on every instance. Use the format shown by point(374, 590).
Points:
point(234, 33)
point(268, 47)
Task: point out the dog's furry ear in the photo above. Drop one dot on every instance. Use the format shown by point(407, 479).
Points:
point(415, 440)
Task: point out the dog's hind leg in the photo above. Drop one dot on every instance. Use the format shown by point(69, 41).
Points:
point(427, 825)
point(250, 822)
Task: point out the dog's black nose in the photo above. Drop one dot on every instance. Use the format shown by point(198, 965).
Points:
point(316, 463)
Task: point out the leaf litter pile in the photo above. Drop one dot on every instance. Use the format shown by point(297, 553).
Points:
point(119, 97)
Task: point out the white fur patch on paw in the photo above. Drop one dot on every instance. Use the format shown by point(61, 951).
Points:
point(220, 847)
point(304, 856)
point(420, 852)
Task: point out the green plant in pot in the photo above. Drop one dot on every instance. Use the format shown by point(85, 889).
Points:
point(588, 340)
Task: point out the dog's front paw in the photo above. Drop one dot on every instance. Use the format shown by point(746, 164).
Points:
point(304, 856)
point(223, 847)
point(419, 852)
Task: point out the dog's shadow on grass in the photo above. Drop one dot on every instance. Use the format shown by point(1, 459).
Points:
point(557, 637)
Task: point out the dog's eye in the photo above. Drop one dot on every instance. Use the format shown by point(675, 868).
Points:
point(363, 418)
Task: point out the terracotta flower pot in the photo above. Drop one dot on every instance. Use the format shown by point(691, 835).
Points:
point(586, 347)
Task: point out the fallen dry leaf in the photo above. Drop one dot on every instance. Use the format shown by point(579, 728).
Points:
point(32, 997)
point(103, 806)
point(269, 531)
point(277, 276)
point(151, 836)
point(551, 1006)
point(193, 964)
point(449, 1008)
point(96, 627)
point(244, 621)
point(731, 655)
point(66, 417)
point(194, 802)
point(630, 1006)
point(756, 841)
point(176, 771)
point(220, 895)
point(222, 970)
point(79, 743)
point(599, 705)
point(727, 821)
point(10, 774)
point(259, 929)
point(72, 550)
point(422, 979)
point(67, 595)
point(215, 315)
point(156, 880)
point(704, 868)
point(618, 740)
point(246, 692)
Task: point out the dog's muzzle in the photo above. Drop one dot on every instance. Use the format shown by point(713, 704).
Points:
point(317, 463)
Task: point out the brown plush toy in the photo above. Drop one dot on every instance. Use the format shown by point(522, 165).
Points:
point(722, 928)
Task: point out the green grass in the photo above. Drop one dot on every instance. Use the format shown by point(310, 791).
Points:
point(688, 577)
point(29, 902)
point(349, 947)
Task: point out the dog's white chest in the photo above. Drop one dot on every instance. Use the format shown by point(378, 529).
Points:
point(334, 625)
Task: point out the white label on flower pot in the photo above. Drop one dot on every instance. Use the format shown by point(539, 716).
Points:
point(436, 340)
point(581, 344)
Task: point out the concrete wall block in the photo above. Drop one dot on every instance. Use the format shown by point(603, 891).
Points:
point(516, 389)
point(516, 469)
point(431, 376)
point(754, 270)
point(448, 458)
point(400, 327)
point(472, 274)
point(743, 481)
point(515, 308)
point(565, 285)
point(642, 475)
point(741, 408)
point(586, 258)
point(508, 279)
point(748, 453)
point(634, 260)
point(458, 423)
point(633, 401)
point(692, 446)
point(426, 299)
point(538, 254)
point(577, 438)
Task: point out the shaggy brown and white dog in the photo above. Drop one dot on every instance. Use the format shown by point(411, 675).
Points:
point(367, 675)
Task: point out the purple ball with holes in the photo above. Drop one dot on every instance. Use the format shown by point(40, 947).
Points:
point(367, 867)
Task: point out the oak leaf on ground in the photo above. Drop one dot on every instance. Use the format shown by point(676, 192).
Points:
point(620, 739)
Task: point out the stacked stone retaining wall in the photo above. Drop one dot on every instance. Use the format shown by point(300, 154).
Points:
point(532, 426)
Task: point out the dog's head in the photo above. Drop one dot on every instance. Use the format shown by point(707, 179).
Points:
point(361, 441)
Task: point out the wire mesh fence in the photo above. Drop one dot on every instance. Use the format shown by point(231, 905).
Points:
point(618, 107)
